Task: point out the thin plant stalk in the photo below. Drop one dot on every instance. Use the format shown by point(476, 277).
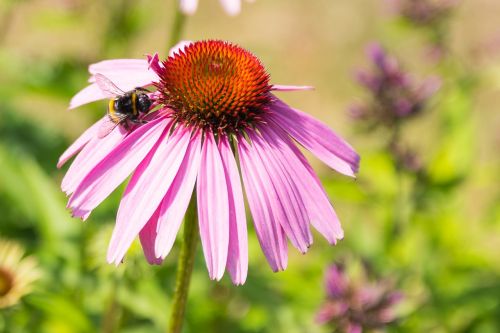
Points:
point(184, 268)
point(112, 317)
point(400, 201)
point(177, 26)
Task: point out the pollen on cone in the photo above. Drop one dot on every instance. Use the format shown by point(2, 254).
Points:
point(214, 84)
point(220, 137)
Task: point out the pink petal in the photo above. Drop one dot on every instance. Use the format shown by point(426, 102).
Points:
point(286, 201)
point(93, 153)
point(154, 62)
point(88, 94)
point(188, 7)
point(79, 143)
point(213, 210)
point(176, 201)
point(280, 87)
point(316, 137)
point(145, 191)
point(320, 211)
point(269, 232)
point(237, 261)
point(148, 238)
point(126, 82)
point(116, 166)
point(127, 74)
point(179, 47)
point(232, 7)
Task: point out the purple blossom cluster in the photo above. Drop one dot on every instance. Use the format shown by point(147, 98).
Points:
point(424, 12)
point(394, 93)
point(406, 158)
point(353, 306)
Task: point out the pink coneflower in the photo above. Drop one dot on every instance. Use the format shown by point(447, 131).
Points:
point(215, 112)
point(232, 7)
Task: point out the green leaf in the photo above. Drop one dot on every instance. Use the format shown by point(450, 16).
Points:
point(35, 194)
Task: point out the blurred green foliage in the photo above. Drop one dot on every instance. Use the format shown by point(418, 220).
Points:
point(443, 252)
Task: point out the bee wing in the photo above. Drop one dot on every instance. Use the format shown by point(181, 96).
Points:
point(107, 86)
point(108, 125)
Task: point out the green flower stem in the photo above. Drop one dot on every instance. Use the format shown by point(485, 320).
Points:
point(184, 267)
point(400, 200)
point(177, 27)
point(112, 317)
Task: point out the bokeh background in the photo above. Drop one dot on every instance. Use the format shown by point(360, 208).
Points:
point(431, 226)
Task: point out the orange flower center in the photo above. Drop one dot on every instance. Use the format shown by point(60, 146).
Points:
point(215, 84)
point(6, 282)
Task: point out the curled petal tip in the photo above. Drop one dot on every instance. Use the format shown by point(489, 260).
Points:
point(158, 261)
point(113, 260)
point(79, 213)
point(153, 62)
point(340, 236)
point(354, 166)
point(305, 248)
point(152, 59)
point(279, 268)
point(337, 238)
point(71, 105)
point(239, 281)
point(351, 173)
point(110, 258)
point(215, 277)
point(179, 47)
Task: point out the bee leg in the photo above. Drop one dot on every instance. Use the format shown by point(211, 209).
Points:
point(138, 121)
point(142, 89)
point(126, 125)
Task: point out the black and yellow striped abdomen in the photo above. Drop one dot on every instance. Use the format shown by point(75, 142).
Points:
point(123, 107)
point(112, 111)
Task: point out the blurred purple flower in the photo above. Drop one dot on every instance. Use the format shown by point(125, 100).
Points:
point(353, 306)
point(395, 94)
point(406, 158)
point(424, 12)
point(335, 282)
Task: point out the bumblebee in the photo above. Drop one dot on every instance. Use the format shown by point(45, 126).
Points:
point(123, 107)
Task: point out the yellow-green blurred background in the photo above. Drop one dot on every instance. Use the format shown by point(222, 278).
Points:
point(445, 258)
